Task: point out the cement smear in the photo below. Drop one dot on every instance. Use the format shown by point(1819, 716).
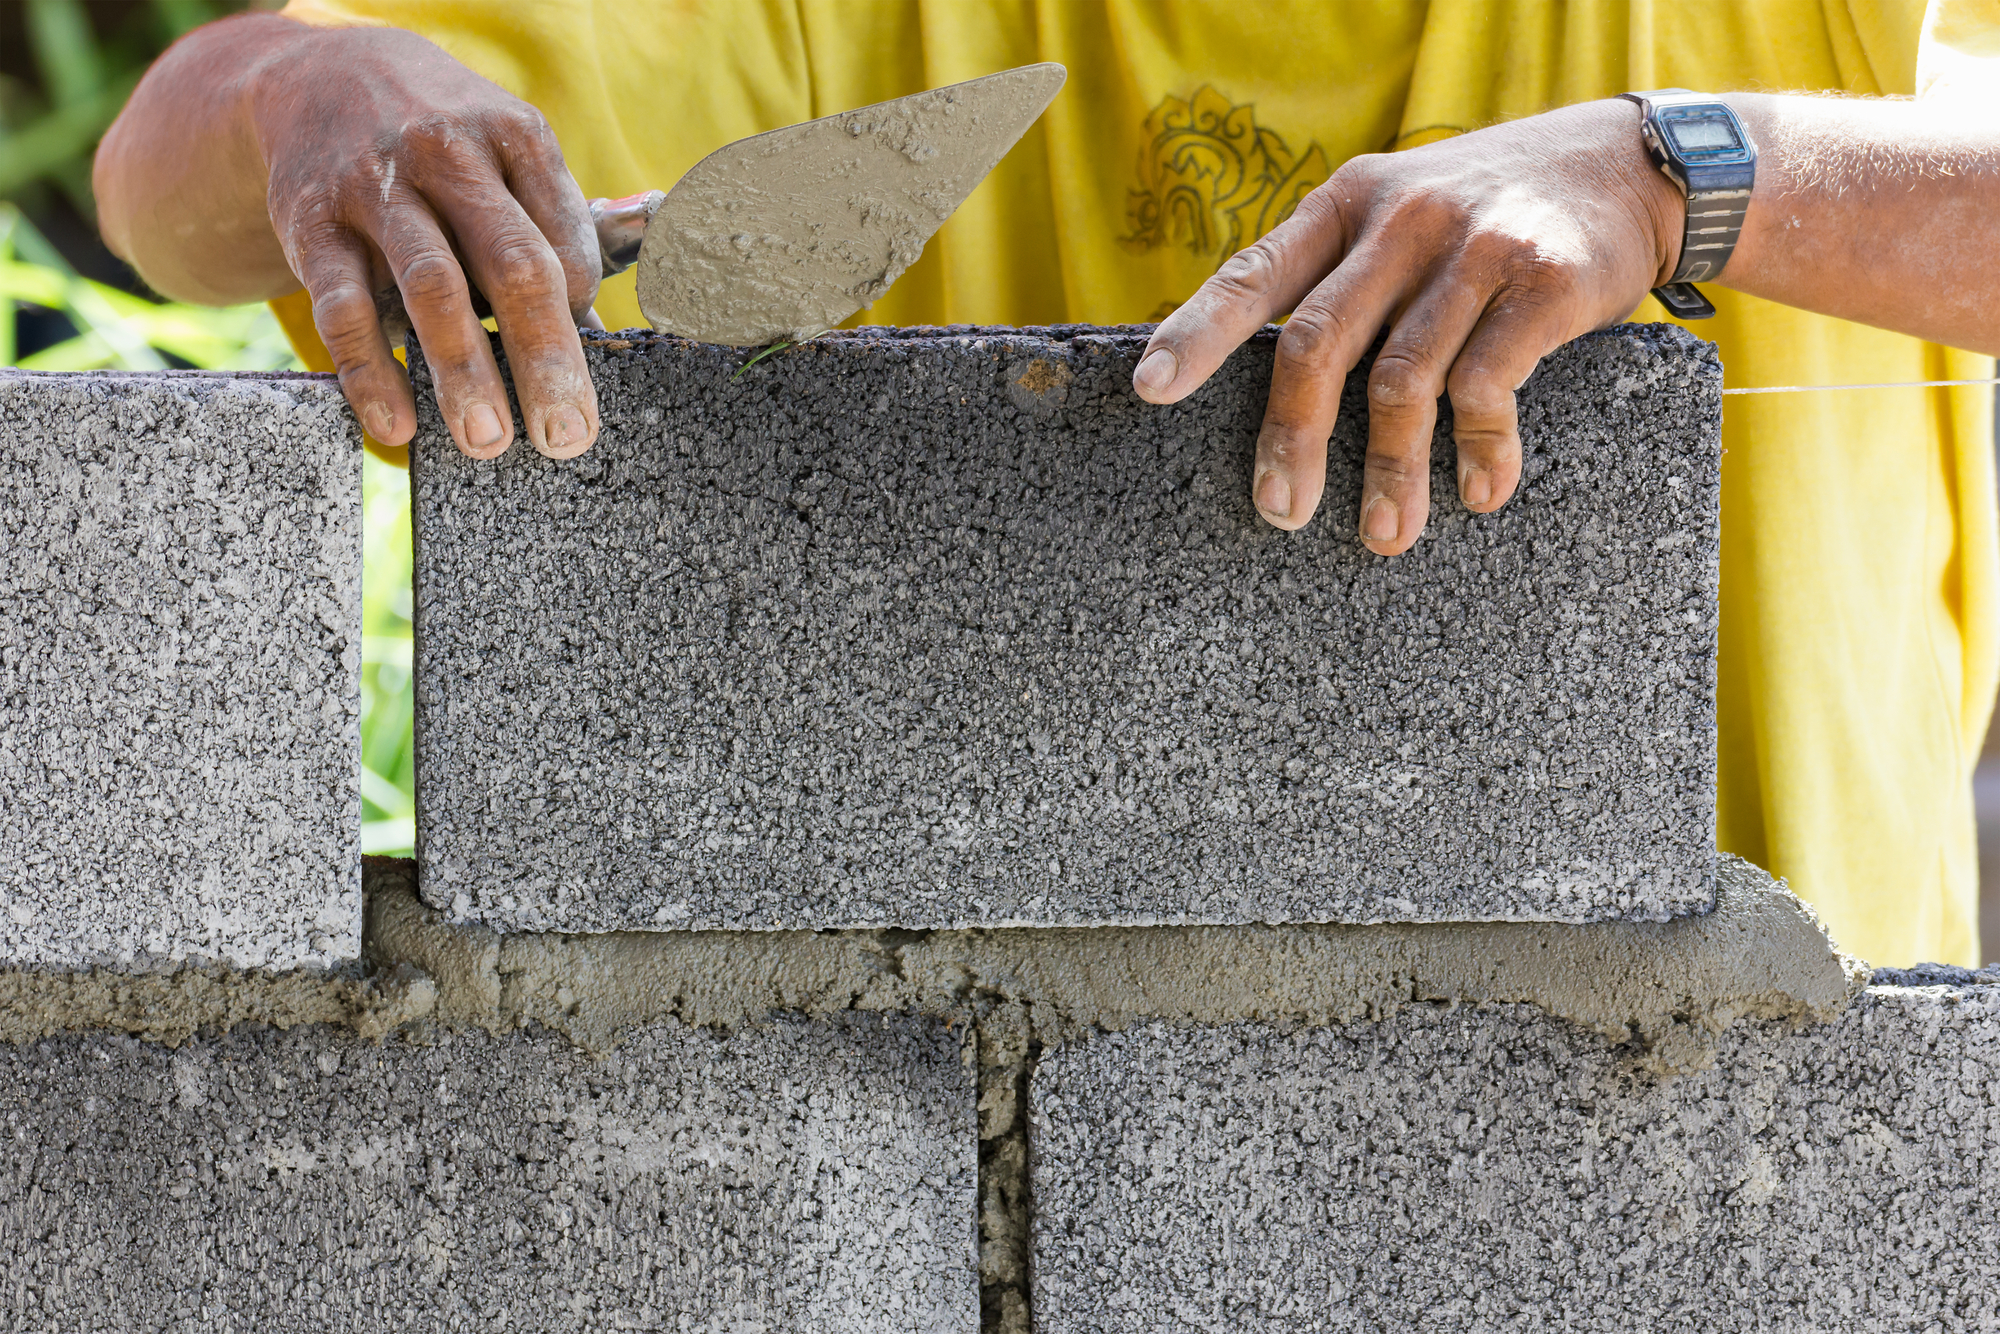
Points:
point(783, 236)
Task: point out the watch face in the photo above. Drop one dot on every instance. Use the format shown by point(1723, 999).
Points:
point(1703, 134)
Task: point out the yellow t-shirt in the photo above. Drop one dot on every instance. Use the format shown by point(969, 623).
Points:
point(1859, 561)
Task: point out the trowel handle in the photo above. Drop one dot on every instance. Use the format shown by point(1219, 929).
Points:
point(621, 226)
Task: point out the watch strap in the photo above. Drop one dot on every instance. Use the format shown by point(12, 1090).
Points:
point(1684, 301)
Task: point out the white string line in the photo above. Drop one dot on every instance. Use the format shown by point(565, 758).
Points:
point(1893, 384)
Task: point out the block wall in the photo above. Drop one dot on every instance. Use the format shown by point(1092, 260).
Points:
point(903, 850)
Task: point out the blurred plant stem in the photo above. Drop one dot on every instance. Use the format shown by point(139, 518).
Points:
point(388, 766)
point(119, 331)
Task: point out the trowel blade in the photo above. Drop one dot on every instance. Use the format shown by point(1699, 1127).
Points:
point(783, 235)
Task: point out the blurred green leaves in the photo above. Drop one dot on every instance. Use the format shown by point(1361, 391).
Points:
point(47, 132)
point(116, 330)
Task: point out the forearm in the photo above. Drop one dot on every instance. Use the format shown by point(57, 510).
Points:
point(1883, 212)
point(180, 179)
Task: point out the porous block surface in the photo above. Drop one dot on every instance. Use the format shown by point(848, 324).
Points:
point(805, 1176)
point(1462, 1170)
point(180, 655)
point(947, 628)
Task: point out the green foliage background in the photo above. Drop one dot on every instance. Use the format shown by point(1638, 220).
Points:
point(48, 131)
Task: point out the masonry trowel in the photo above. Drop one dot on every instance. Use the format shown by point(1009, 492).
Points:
point(781, 236)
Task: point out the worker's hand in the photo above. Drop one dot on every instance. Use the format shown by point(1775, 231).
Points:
point(395, 169)
point(1480, 254)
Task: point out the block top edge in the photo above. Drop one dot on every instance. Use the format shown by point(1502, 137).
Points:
point(1951, 976)
point(1669, 339)
point(231, 392)
point(174, 375)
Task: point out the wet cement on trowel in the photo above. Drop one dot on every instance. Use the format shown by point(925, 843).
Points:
point(783, 236)
point(1664, 990)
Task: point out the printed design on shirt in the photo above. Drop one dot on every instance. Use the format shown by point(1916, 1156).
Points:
point(1212, 179)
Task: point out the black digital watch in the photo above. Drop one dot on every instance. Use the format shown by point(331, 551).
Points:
point(1701, 146)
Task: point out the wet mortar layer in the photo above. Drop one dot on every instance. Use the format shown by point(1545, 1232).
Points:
point(180, 657)
point(1665, 992)
point(947, 629)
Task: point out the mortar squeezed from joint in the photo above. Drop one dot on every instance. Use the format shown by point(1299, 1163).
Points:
point(1668, 988)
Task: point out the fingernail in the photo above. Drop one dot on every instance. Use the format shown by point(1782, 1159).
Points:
point(379, 420)
point(1378, 521)
point(565, 427)
point(482, 427)
point(1274, 495)
point(1157, 371)
point(1475, 487)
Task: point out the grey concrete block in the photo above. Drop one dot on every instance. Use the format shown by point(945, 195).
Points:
point(1461, 1170)
point(941, 629)
point(808, 1176)
point(180, 645)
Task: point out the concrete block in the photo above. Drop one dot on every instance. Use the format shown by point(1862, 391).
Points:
point(1460, 1170)
point(947, 628)
point(805, 1176)
point(180, 644)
